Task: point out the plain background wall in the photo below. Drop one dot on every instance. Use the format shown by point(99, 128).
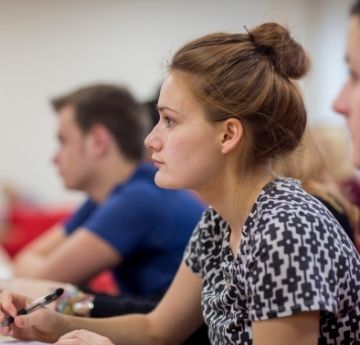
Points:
point(48, 47)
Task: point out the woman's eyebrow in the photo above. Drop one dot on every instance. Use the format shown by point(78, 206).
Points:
point(162, 108)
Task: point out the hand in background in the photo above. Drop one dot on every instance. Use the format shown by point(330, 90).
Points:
point(83, 337)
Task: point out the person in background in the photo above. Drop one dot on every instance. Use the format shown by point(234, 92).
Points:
point(309, 165)
point(347, 103)
point(267, 263)
point(151, 106)
point(334, 145)
point(336, 149)
point(127, 223)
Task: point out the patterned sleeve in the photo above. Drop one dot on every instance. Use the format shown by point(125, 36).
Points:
point(298, 263)
point(192, 251)
point(192, 255)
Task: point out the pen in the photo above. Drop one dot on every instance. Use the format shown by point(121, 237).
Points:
point(40, 302)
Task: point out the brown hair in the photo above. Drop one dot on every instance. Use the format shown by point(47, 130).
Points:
point(355, 9)
point(248, 76)
point(113, 107)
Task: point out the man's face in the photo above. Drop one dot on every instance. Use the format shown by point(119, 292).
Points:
point(73, 158)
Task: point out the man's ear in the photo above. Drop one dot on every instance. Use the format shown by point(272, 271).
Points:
point(99, 140)
point(232, 132)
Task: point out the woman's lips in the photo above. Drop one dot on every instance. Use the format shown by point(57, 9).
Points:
point(157, 163)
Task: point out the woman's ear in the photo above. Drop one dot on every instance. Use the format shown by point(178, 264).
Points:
point(232, 132)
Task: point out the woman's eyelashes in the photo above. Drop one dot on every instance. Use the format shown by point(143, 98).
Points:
point(169, 121)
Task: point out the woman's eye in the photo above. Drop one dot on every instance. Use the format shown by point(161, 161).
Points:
point(169, 122)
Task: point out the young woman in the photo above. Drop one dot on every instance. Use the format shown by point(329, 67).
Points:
point(267, 264)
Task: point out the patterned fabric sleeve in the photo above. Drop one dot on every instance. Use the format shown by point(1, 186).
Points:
point(192, 252)
point(296, 263)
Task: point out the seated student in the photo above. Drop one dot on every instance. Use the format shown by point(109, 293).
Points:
point(336, 149)
point(267, 263)
point(127, 223)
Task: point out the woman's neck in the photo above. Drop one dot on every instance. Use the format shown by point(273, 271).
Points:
point(237, 195)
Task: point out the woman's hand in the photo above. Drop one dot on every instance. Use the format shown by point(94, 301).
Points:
point(83, 337)
point(10, 303)
point(42, 324)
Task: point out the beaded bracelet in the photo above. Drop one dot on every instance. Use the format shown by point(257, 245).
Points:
point(75, 302)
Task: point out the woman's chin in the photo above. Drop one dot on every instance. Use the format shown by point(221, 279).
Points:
point(164, 182)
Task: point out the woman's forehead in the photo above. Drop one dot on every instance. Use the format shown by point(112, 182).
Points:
point(353, 42)
point(175, 91)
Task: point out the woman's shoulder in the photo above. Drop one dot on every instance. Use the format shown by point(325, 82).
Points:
point(210, 219)
point(286, 210)
point(287, 193)
point(284, 201)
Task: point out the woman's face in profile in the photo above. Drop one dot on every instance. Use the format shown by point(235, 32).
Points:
point(347, 102)
point(185, 146)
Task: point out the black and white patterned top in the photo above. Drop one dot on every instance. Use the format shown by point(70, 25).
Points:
point(293, 257)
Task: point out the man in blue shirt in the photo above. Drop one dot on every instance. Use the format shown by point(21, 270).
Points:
point(127, 223)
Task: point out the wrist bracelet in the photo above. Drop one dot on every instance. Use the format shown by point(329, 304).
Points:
point(75, 302)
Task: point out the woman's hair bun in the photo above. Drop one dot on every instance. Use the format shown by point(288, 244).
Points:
point(288, 56)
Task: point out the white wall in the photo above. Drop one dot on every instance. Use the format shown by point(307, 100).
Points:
point(325, 36)
point(48, 47)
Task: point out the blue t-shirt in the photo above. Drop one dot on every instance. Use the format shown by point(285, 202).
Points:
point(147, 225)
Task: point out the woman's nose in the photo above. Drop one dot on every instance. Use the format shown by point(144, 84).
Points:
point(152, 141)
point(343, 101)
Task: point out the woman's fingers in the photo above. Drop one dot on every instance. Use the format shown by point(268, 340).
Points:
point(7, 304)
